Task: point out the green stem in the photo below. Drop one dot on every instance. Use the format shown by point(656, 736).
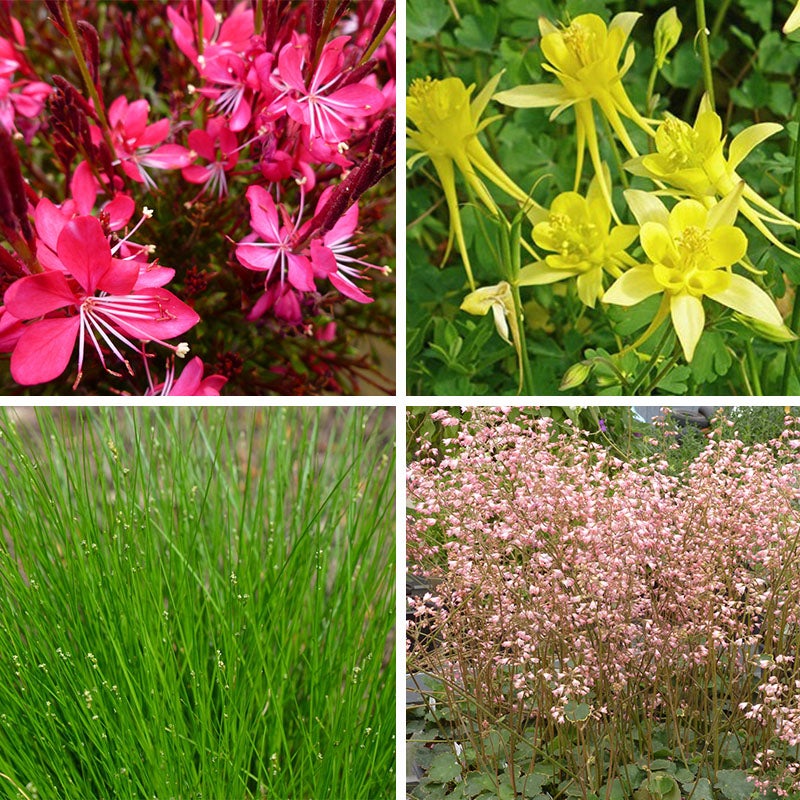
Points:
point(75, 45)
point(702, 33)
point(640, 379)
point(753, 364)
point(258, 18)
point(651, 85)
point(614, 149)
point(378, 39)
point(528, 383)
point(667, 367)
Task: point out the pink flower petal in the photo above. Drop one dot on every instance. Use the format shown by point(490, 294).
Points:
point(84, 188)
point(348, 288)
point(263, 214)
point(119, 211)
point(175, 318)
point(357, 100)
point(44, 350)
point(255, 257)
point(300, 273)
point(202, 144)
point(84, 251)
point(37, 295)
point(168, 156)
point(136, 119)
point(290, 62)
point(154, 134)
point(49, 220)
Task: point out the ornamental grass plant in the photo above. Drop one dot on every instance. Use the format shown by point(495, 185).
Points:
point(196, 603)
point(604, 627)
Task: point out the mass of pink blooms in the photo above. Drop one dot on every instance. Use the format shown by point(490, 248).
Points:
point(572, 578)
point(282, 110)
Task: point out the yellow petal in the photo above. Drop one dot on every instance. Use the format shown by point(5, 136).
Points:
point(478, 105)
point(745, 297)
point(724, 212)
point(726, 245)
point(793, 22)
point(687, 214)
point(481, 300)
point(590, 286)
point(632, 287)
point(748, 139)
point(535, 95)
point(657, 243)
point(688, 319)
point(625, 20)
point(646, 207)
point(539, 274)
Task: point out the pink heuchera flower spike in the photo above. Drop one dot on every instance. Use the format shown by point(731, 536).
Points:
point(277, 247)
point(104, 303)
point(325, 113)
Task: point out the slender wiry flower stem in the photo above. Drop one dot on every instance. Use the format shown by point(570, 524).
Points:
point(378, 39)
point(753, 364)
point(702, 34)
point(642, 376)
point(99, 107)
point(615, 150)
point(258, 18)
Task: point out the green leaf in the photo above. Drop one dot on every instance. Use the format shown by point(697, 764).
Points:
point(711, 358)
point(532, 783)
point(613, 791)
point(477, 31)
point(425, 18)
point(758, 11)
point(444, 768)
point(775, 56)
point(577, 712)
point(659, 786)
point(734, 785)
point(675, 382)
point(700, 790)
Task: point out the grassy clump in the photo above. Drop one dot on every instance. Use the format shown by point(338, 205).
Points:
point(196, 604)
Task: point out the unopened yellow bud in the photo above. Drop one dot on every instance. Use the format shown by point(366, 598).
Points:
point(666, 36)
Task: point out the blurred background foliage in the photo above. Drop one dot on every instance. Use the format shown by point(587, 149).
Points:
point(755, 74)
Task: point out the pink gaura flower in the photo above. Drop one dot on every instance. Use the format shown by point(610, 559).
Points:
point(22, 98)
point(103, 301)
point(325, 111)
point(284, 302)
point(191, 382)
point(330, 255)
point(135, 141)
point(228, 34)
point(216, 144)
point(277, 248)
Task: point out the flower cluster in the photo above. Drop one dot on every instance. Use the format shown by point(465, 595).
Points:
point(693, 248)
point(256, 152)
point(575, 587)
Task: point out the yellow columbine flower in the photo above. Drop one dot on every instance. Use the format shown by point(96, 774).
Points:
point(577, 230)
point(584, 56)
point(691, 160)
point(447, 132)
point(499, 300)
point(690, 252)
